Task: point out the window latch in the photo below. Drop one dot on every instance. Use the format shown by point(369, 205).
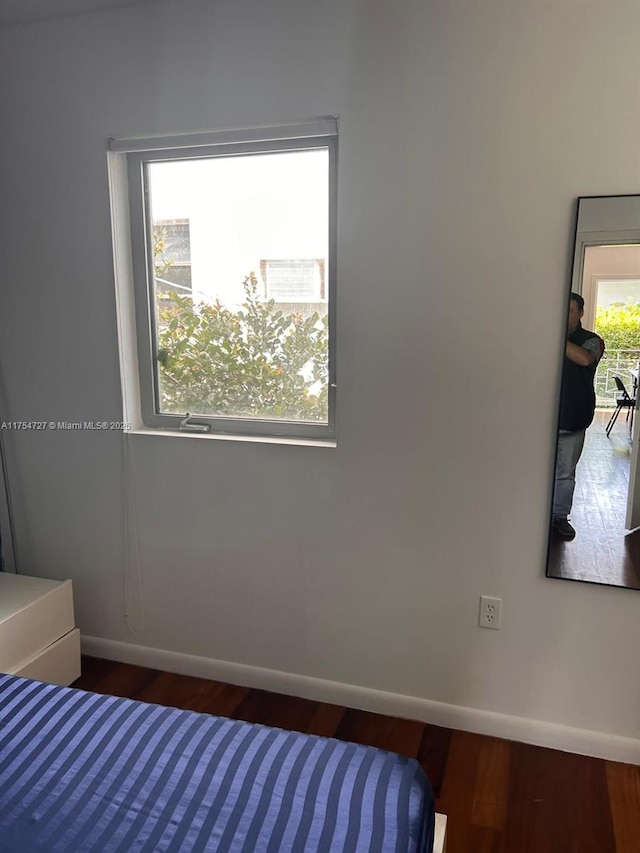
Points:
point(188, 426)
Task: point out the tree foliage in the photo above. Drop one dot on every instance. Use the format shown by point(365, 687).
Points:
point(256, 362)
point(619, 326)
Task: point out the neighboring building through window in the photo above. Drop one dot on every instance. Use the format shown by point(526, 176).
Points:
point(294, 280)
point(209, 256)
point(172, 255)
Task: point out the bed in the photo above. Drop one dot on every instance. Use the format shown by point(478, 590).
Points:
point(81, 771)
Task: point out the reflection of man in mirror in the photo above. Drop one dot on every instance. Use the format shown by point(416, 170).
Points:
point(583, 351)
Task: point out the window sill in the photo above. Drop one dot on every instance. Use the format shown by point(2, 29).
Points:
point(253, 439)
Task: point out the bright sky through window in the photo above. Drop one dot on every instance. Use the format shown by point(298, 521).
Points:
point(242, 209)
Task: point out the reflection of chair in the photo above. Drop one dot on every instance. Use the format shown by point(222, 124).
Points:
point(623, 401)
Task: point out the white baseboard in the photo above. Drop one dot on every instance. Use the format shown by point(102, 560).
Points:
point(523, 729)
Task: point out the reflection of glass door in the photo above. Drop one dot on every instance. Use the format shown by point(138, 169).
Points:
point(612, 269)
point(617, 321)
point(611, 289)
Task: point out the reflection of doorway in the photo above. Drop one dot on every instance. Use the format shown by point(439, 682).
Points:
point(611, 290)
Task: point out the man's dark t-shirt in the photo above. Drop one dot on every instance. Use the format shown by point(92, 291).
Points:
point(578, 398)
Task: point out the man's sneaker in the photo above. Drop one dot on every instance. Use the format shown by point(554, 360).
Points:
point(563, 529)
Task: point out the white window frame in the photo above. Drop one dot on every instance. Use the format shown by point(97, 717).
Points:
point(129, 159)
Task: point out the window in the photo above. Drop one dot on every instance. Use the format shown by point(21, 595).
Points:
point(294, 280)
point(233, 247)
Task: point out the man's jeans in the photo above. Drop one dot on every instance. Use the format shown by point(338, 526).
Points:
point(570, 446)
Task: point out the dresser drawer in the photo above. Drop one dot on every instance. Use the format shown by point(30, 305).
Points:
point(59, 663)
point(34, 614)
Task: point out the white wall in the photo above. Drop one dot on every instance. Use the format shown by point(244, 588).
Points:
point(467, 131)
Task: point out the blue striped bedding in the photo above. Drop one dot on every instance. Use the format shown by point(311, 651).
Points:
point(85, 772)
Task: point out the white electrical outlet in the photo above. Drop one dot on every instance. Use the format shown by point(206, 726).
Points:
point(490, 612)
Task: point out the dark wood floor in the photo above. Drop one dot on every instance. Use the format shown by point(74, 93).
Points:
point(499, 796)
point(603, 551)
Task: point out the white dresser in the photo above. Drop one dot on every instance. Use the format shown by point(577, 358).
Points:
point(38, 637)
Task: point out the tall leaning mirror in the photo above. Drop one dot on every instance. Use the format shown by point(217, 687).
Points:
point(595, 524)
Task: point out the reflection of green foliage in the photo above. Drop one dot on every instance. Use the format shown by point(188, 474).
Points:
point(249, 363)
point(619, 326)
